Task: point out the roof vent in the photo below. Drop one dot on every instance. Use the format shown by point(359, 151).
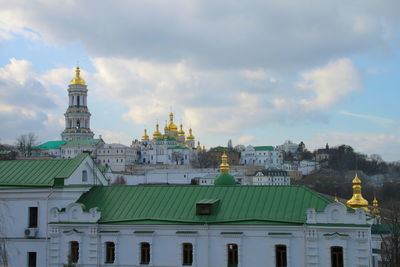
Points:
point(206, 206)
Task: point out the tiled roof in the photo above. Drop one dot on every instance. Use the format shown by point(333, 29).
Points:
point(51, 145)
point(147, 204)
point(264, 148)
point(37, 172)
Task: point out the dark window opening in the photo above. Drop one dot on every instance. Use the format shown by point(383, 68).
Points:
point(77, 101)
point(78, 124)
point(33, 217)
point(144, 253)
point(74, 251)
point(203, 209)
point(232, 255)
point(110, 252)
point(337, 256)
point(32, 259)
point(281, 256)
point(187, 253)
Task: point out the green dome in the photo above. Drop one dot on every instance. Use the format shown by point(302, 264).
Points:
point(225, 179)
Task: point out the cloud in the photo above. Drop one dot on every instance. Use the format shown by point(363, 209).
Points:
point(371, 118)
point(330, 84)
point(251, 35)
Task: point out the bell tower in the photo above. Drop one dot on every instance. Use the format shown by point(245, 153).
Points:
point(77, 116)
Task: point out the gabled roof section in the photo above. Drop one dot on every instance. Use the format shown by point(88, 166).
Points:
point(264, 148)
point(147, 204)
point(51, 145)
point(90, 142)
point(37, 173)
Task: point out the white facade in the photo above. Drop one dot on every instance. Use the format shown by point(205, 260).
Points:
point(289, 146)
point(21, 234)
point(307, 167)
point(306, 245)
point(116, 156)
point(265, 156)
point(271, 177)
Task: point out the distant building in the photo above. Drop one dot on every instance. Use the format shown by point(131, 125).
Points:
point(271, 177)
point(307, 167)
point(116, 156)
point(266, 156)
point(288, 146)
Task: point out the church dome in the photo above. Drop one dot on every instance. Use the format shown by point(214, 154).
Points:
point(357, 201)
point(145, 136)
point(181, 132)
point(171, 125)
point(77, 80)
point(190, 137)
point(224, 178)
point(157, 133)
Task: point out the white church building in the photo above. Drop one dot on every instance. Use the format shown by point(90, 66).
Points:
point(62, 210)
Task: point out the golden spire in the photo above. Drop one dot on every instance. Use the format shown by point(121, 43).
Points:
point(145, 136)
point(224, 166)
point(171, 125)
point(357, 201)
point(77, 79)
point(157, 133)
point(375, 209)
point(190, 137)
point(336, 199)
point(198, 146)
point(181, 132)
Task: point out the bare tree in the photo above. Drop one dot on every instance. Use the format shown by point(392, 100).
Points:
point(120, 180)
point(26, 143)
point(177, 157)
point(390, 246)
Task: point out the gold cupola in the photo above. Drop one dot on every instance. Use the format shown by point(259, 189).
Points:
point(145, 136)
point(375, 208)
point(190, 137)
point(198, 148)
point(224, 166)
point(157, 133)
point(171, 125)
point(357, 201)
point(181, 132)
point(77, 80)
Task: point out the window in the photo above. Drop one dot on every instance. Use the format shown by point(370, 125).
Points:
point(232, 255)
point(74, 251)
point(203, 209)
point(337, 256)
point(33, 217)
point(110, 252)
point(281, 256)
point(144, 253)
point(187, 251)
point(31, 259)
point(84, 176)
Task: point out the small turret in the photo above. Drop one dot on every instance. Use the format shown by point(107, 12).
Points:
point(224, 178)
point(357, 201)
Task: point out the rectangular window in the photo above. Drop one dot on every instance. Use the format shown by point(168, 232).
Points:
point(337, 256)
point(281, 256)
point(74, 251)
point(33, 217)
point(110, 252)
point(31, 259)
point(187, 250)
point(232, 255)
point(84, 176)
point(203, 209)
point(144, 253)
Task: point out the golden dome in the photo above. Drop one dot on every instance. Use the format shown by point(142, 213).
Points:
point(357, 201)
point(145, 136)
point(77, 79)
point(198, 146)
point(157, 133)
point(190, 137)
point(181, 132)
point(171, 125)
point(224, 166)
point(375, 209)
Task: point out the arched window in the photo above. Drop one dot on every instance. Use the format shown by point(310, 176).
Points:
point(232, 255)
point(74, 251)
point(110, 252)
point(281, 255)
point(187, 252)
point(337, 256)
point(84, 176)
point(144, 253)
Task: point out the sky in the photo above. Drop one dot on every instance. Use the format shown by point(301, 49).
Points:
point(257, 72)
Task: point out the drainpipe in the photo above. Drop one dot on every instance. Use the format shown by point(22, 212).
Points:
point(47, 226)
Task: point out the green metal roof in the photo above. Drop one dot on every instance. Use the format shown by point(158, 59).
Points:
point(264, 148)
point(224, 179)
point(178, 147)
point(272, 172)
point(37, 173)
point(145, 204)
point(90, 142)
point(51, 145)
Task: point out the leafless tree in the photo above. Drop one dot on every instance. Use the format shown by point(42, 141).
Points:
point(390, 247)
point(204, 159)
point(26, 143)
point(120, 180)
point(177, 157)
